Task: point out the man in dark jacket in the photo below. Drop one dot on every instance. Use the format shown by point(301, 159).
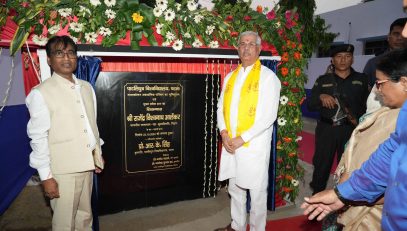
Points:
point(340, 98)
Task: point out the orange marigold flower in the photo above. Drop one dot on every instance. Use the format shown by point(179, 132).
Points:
point(291, 154)
point(284, 71)
point(287, 189)
point(297, 55)
point(297, 71)
point(259, 9)
point(287, 139)
point(288, 177)
point(137, 18)
point(291, 104)
point(284, 57)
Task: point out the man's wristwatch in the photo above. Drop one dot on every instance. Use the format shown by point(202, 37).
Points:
point(340, 197)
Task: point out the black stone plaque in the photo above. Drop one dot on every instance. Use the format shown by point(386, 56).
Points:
point(153, 115)
point(160, 138)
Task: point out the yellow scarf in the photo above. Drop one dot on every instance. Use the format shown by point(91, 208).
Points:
point(249, 96)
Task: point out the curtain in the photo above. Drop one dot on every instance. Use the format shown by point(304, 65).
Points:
point(271, 205)
point(88, 70)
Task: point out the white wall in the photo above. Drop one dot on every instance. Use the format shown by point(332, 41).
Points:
point(16, 93)
point(363, 20)
point(317, 67)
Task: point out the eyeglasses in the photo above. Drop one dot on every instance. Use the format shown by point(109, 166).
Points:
point(380, 82)
point(61, 54)
point(248, 45)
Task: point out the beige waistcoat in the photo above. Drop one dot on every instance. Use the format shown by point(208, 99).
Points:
point(365, 139)
point(69, 145)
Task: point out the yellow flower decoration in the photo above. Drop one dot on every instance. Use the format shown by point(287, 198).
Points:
point(137, 18)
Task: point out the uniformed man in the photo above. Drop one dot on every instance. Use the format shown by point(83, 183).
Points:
point(340, 97)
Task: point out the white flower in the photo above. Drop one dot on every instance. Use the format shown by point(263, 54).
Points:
point(95, 2)
point(77, 27)
point(299, 138)
point(53, 29)
point(192, 5)
point(197, 43)
point(187, 35)
point(169, 15)
point(283, 100)
point(177, 45)
point(165, 44)
point(157, 12)
point(84, 10)
point(295, 183)
point(278, 24)
point(158, 27)
point(74, 39)
point(209, 29)
point(65, 12)
point(110, 3)
point(91, 37)
point(198, 18)
point(105, 31)
point(178, 6)
point(246, 1)
point(40, 40)
point(162, 4)
point(281, 121)
point(110, 14)
point(214, 44)
point(169, 36)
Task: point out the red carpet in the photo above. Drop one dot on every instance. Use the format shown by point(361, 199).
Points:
point(307, 147)
point(299, 223)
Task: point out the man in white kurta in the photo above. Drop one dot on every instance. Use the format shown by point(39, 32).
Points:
point(245, 157)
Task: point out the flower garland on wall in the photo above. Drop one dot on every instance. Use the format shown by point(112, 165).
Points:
point(181, 24)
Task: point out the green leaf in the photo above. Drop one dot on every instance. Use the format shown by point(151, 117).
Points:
point(20, 36)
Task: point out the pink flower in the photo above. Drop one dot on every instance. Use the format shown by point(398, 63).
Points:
point(271, 15)
point(296, 16)
point(298, 35)
point(288, 15)
point(25, 4)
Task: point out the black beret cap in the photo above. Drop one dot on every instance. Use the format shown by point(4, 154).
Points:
point(341, 48)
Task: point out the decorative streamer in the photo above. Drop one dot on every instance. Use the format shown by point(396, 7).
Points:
point(211, 124)
point(7, 94)
point(215, 131)
point(35, 66)
point(206, 124)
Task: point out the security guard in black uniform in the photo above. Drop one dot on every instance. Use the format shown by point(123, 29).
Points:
point(340, 97)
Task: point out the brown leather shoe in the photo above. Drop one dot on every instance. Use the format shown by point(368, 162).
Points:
point(227, 228)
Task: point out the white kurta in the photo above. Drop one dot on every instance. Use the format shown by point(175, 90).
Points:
point(249, 165)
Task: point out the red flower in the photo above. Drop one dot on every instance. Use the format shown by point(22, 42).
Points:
point(279, 160)
point(297, 55)
point(288, 177)
point(285, 83)
point(259, 9)
point(280, 32)
point(297, 71)
point(291, 104)
point(288, 15)
point(247, 18)
point(229, 18)
point(284, 57)
point(298, 35)
point(284, 71)
point(296, 16)
point(295, 90)
point(234, 34)
point(271, 15)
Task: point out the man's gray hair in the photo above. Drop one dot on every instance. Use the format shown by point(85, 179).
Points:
point(258, 39)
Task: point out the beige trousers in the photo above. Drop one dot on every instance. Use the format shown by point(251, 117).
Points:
point(72, 210)
point(258, 206)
